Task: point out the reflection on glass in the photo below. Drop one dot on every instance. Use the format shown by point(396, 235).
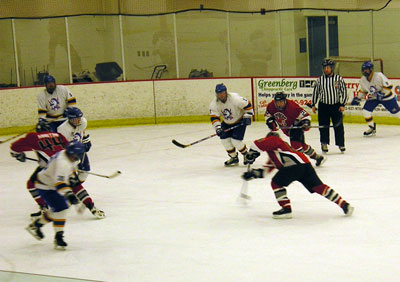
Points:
point(8, 76)
point(387, 40)
point(202, 43)
point(41, 47)
point(95, 48)
point(149, 47)
point(254, 45)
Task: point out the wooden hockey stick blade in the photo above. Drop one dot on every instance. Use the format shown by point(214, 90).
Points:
point(179, 144)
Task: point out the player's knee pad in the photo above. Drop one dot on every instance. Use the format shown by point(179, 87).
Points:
point(367, 114)
point(239, 145)
point(227, 144)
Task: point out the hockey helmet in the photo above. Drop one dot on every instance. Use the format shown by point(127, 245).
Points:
point(75, 150)
point(278, 98)
point(50, 83)
point(74, 116)
point(220, 88)
point(328, 62)
point(43, 126)
point(367, 66)
point(48, 79)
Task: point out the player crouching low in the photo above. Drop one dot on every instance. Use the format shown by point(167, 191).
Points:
point(54, 187)
point(292, 166)
point(236, 112)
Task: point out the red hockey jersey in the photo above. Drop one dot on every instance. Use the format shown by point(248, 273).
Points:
point(46, 144)
point(279, 152)
point(287, 116)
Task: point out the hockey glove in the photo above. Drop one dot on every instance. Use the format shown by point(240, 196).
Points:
point(71, 198)
point(271, 123)
point(253, 173)
point(74, 181)
point(19, 156)
point(247, 119)
point(218, 130)
point(251, 156)
point(86, 142)
point(305, 124)
point(356, 101)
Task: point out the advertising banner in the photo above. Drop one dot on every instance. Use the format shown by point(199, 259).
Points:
point(300, 89)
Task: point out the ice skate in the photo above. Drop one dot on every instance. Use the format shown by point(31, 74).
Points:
point(371, 130)
point(347, 209)
point(324, 148)
point(34, 229)
point(59, 243)
point(319, 160)
point(283, 213)
point(342, 149)
point(232, 161)
point(97, 213)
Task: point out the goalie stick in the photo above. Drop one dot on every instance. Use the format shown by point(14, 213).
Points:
point(112, 175)
point(203, 139)
point(15, 136)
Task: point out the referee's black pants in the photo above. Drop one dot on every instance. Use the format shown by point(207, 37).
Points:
point(325, 114)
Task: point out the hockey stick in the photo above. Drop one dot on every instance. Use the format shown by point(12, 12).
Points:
point(245, 186)
point(312, 126)
point(203, 139)
point(15, 136)
point(112, 175)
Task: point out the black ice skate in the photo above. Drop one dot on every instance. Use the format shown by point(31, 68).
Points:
point(371, 130)
point(319, 160)
point(59, 243)
point(34, 229)
point(324, 148)
point(283, 213)
point(232, 161)
point(347, 209)
point(342, 149)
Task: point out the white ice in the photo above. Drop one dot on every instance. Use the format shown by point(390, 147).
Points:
point(172, 214)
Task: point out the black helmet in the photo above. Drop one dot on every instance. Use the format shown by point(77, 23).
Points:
point(280, 96)
point(328, 62)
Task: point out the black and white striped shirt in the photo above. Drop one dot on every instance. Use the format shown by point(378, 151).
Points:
point(330, 90)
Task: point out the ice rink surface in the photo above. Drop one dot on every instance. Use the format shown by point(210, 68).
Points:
point(173, 215)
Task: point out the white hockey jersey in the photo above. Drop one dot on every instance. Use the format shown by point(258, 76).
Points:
point(55, 176)
point(73, 133)
point(52, 106)
point(231, 111)
point(379, 83)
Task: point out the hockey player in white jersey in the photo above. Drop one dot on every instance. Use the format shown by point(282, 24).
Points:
point(236, 112)
point(73, 129)
point(377, 89)
point(53, 185)
point(53, 101)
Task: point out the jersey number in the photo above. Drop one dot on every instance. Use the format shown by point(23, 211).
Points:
point(50, 143)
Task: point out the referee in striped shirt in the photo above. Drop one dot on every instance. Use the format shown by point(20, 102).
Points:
point(331, 95)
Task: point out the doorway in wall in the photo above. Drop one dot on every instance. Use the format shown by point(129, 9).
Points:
point(317, 42)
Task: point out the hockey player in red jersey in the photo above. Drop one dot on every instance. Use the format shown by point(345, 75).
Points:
point(292, 166)
point(285, 113)
point(45, 143)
